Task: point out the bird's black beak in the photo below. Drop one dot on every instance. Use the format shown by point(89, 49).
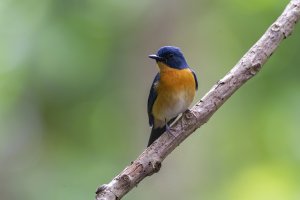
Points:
point(155, 57)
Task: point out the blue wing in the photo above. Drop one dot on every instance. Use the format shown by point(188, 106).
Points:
point(196, 80)
point(152, 98)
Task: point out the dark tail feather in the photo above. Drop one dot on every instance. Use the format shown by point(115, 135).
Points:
point(155, 133)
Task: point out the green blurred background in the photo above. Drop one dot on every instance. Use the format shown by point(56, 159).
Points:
point(74, 81)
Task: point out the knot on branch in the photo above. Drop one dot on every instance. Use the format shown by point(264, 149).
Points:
point(124, 182)
point(275, 27)
point(104, 193)
point(155, 166)
point(189, 117)
point(101, 189)
point(254, 68)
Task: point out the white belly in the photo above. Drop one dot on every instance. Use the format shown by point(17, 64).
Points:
point(179, 105)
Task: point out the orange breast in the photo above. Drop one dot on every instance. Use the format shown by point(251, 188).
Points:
point(175, 92)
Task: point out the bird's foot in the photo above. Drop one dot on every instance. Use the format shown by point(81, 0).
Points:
point(169, 131)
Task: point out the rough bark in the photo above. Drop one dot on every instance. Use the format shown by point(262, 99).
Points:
point(149, 161)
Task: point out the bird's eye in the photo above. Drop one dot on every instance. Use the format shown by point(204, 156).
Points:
point(170, 55)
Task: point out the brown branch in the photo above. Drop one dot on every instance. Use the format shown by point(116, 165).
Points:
point(149, 161)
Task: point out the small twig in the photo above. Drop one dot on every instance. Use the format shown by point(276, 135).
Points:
point(149, 161)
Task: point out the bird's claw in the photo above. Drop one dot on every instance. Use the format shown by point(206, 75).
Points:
point(168, 130)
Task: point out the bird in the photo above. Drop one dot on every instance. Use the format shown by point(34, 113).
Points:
point(172, 91)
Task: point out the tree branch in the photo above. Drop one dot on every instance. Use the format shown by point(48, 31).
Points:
point(149, 161)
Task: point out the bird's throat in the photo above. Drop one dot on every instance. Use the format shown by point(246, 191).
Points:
point(163, 67)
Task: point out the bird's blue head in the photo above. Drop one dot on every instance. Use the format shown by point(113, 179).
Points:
point(171, 56)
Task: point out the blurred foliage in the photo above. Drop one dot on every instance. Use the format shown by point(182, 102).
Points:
point(74, 80)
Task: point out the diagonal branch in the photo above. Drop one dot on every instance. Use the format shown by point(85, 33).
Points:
point(149, 161)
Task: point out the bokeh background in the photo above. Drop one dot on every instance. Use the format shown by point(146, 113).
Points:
point(74, 81)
